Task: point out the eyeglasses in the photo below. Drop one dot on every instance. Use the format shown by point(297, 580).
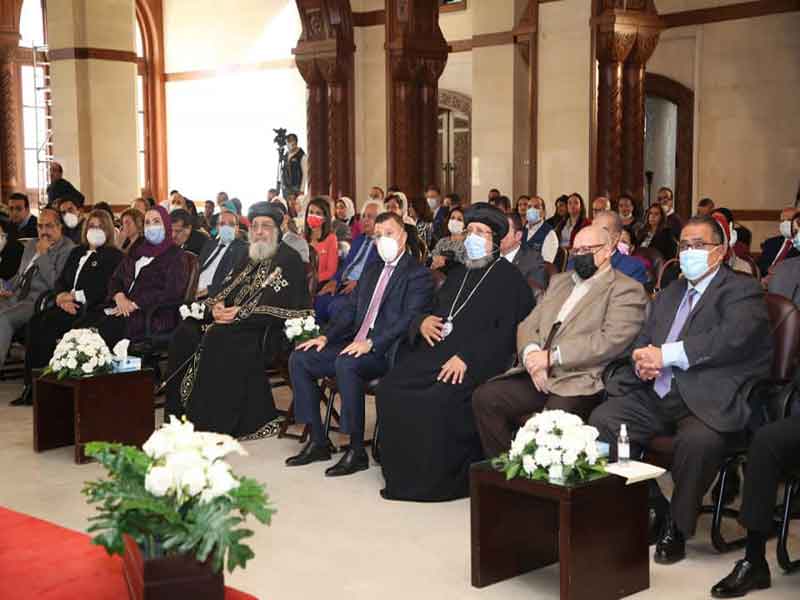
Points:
point(578, 251)
point(485, 235)
point(695, 245)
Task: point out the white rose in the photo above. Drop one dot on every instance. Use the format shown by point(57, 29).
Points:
point(72, 364)
point(555, 472)
point(157, 445)
point(569, 458)
point(158, 481)
point(86, 368)
point(310, 326)
point(92, 363)
point(543, 457)
point(193, 480)
point(525, 437)
point(528, 464)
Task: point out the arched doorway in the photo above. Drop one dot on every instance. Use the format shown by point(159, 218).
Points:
point(455, 143)
point(669, 139)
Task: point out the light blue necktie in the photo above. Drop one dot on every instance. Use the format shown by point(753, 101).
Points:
point(663, 382)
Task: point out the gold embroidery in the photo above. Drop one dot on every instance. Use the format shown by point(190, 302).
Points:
point(283, 313)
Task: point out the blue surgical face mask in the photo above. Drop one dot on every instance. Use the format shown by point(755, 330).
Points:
point(475, 246)
point(154, 234)
point(694, 263)
point(227, 233)
point(533, 215)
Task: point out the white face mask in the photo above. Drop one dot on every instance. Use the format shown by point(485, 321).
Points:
point(433, 203)
point(455, 227)
point(70, 220)
point(96, 237)
point(786, 229)
point(388, 248)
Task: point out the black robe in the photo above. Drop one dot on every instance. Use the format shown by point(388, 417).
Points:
point(223, 387)
point(428, 435)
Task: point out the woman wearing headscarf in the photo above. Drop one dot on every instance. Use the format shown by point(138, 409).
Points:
point(151, 274)
point(468, 338)
point(82, 285)
point(345, 219)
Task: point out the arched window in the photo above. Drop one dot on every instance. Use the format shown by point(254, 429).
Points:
point(34, 78)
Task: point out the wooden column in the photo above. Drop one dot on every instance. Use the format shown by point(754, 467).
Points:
point(324, 56)
point(416, 53)
point(11, 176)
point(626, 36)
point(527, 37)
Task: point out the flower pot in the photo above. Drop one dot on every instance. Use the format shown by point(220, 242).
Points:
point(170, 577)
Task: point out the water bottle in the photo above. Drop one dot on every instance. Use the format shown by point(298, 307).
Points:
point(623, 445)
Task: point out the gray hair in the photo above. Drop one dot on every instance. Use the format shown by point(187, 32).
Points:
point(614, 221)
point(376, 203)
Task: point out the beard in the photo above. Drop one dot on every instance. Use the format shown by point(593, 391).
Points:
point(263, 249)
point(480, 263)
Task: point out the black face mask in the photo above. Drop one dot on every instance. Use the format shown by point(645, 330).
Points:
point(584, 265)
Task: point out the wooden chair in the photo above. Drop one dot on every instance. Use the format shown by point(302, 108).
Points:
point(760, 394)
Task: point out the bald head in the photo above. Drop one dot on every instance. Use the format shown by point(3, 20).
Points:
point(595, 235)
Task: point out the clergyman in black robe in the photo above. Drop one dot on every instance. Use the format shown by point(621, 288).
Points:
point(218, 365)
point(428, 438)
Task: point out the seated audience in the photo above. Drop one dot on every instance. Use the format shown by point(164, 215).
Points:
point(82, 285)
point(11, 250)
point(421, 214)
point(141, 205)
point(41, 264)
point(131, 228)
point(106, 207)
point(503, 203)
point(61, 188)
point(587, 318)
point(627, 211)
point(522, 206)
point(319, 234)
point(290, 236)
point(574, 221)
point(450, 250)
point(71, 217)
point(428, 436)
point(539, 234)
point(611, 222)
point(151, 274)
point(363, 252)
point(360, 345)
point(19, 210)
point(655, 233)
point(528, 260)
point(774, 450)
point(739, 247)
point(706, 334)
point(560, 213)
point(452, 201)
point(221, 255)
point(673, 221)
point(344, 212)
point(397, 203)
point(184, 233)
point(705, 207)
point(734, 262)
point(440, 214)
point(600, 204)
point(217, 374)
point(494, 194)
point(221, 201)
point(785, 277)
point(627, 246)
point(775, 249)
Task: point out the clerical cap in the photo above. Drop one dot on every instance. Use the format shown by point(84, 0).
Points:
point(267, 209)
point(491, 216)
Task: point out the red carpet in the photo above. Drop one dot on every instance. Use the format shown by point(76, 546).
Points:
point(42, 561)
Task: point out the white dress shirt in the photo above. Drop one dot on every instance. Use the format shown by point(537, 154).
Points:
point(207, 275)
point(550, 244)
point(141, 263)
point(78, 294)
point(512, 255)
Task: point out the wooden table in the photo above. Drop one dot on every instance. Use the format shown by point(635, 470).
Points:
point(597, 531)
point(107, 408)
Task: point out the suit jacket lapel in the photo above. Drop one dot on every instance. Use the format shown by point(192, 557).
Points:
point(595, 290)
point(398, 273)
point(707, 297)
point(366, 286)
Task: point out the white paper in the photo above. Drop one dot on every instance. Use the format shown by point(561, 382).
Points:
point(121, 350)
point(634, 471)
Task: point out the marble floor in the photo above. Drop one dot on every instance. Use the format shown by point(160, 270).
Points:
point(336, 538)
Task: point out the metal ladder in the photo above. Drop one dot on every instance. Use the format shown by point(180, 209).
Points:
point(43, 101)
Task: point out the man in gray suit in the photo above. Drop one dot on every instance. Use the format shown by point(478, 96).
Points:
point(527, 259)
point(221, 255)
point(785, 280)
point(706, 335)
point(41, 265)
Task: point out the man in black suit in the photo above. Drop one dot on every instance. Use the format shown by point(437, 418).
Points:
point(527, 259)
point(706, 335)
point(184, 233)
point(360, 344)
point(19, 207)
point(221, 255)
point(776, 249)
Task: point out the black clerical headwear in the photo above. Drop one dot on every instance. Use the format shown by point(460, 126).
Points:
point(267, 209)
point(491, 216)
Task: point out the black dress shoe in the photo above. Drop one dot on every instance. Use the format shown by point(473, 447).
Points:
point(25, 399)
point(353, 461)
point(311, 453)
point(671, 546)
point(745, 577)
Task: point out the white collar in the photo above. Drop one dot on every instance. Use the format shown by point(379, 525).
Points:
point(512, 254)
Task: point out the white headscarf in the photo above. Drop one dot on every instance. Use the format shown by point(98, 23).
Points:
point(350, 207)
point(404, 208)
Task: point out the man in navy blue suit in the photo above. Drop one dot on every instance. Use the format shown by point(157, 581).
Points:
point(776, 249)
point(363, 253)
point(359, 345)
point(611, 222)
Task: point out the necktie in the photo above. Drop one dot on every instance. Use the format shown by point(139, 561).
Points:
point(375, 303)
point(362, 251)
point(663, 382)
point(210, 261)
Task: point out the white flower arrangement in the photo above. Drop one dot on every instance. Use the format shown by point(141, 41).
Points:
point(553, 445)
point(188, 464)
point(80, 353)
point(301, 329)
point(195, 310)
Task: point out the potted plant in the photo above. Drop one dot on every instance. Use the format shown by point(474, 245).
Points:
point(80, 353)
point(554, 446)
point(175, 511)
